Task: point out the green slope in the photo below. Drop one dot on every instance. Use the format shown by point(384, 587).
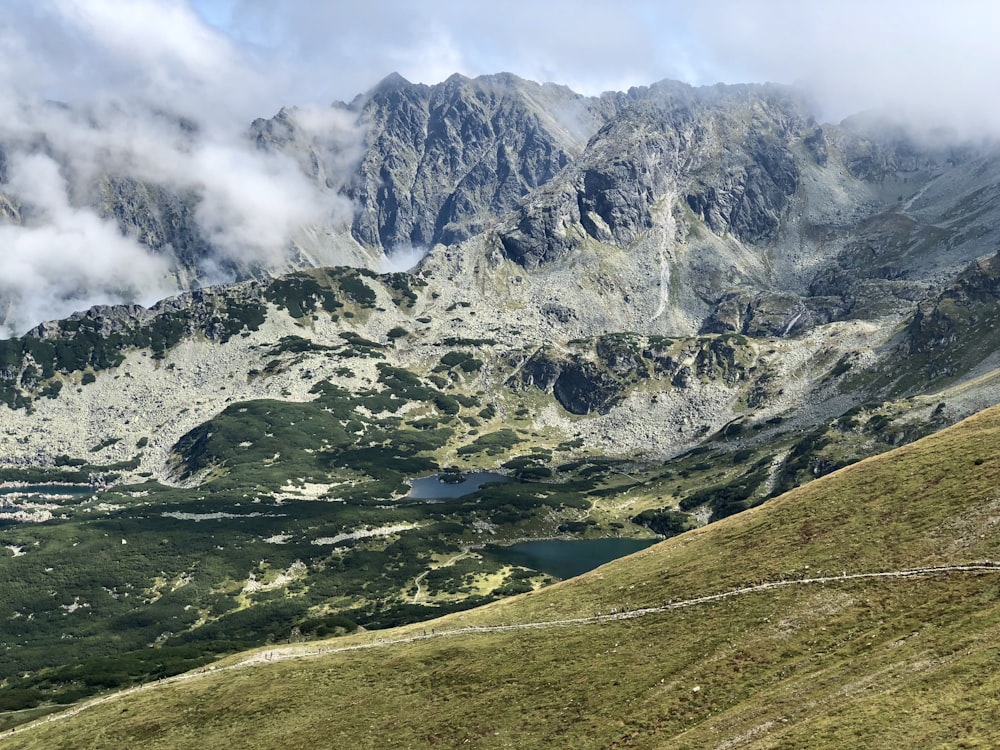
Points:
point(848, 662)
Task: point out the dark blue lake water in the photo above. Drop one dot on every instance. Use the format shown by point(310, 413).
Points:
point(432, 488)
point(565, 558)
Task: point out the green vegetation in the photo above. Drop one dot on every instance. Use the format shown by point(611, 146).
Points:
point(464, 361)
point(31, 367)
point(282, 538)
point(867, 662)
point(491, 444)
point(295, 524)
point(665, 521)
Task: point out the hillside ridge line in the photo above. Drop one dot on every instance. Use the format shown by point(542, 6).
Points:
point(293, 652)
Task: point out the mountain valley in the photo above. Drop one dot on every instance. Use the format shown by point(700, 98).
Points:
point(667, 312)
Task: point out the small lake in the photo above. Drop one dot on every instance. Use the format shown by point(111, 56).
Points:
point(565, 558)
point(435, 487)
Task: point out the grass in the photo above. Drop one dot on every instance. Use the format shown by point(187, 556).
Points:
point(359, 447)
point(206, 541)
point(870, 663)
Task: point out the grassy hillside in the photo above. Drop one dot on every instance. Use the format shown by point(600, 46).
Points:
point(844, 663)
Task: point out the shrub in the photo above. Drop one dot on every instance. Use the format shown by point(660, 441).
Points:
point(664, 521)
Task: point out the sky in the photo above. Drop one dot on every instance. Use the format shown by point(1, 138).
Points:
point(923, 58)
point(247, 58)
point(223, 63)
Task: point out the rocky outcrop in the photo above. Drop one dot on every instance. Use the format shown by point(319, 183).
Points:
point(581, 387)
point(971, 301)
point(160, 218)
point(594, 380)
point(737, 173)
point(817, 145)
point(750, 201)
point(774, 314)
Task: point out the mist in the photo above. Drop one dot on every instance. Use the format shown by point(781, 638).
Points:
point(929, 63)
point(67, 257)
point(146, 92)
point(247, 204)
point(165, 91)
point(925, 64)
point(402, 258)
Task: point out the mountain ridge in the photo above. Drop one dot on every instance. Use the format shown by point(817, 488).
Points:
point(646, 312)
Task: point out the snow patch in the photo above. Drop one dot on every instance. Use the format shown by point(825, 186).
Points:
point(196, 517)
point(366, 533)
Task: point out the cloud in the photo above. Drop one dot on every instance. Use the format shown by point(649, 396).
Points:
point(923, 61)
point(252, 203)
point(154, 94)
point(164, 38)
point(164, 90)
point(402, 259)
point(140, 50)
point(248, 202)
point(64, 258)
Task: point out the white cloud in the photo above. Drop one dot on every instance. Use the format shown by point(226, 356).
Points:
point(923, 60)
point(402, 259)
point(165, 36)
point(131, 70)
point(252, 202)
point(65, 258)
point(117, 61)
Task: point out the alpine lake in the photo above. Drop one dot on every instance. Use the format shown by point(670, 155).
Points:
point(562, 558)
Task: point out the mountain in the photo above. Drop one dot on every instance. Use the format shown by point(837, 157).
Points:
point(714, 208)
point(860, 610)
point(641, 313)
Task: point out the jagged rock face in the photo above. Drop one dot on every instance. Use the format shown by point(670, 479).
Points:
point(664, 210)
point(728, 208)
point(439, 163)
point(731, 159)
point(750, 203)
point(159, 218)
point(442, 161)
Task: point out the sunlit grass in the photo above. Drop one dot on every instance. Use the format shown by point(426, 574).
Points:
point(872, 663)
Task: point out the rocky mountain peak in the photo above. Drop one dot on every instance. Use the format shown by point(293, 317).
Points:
point(726, 150)
point(442, 161)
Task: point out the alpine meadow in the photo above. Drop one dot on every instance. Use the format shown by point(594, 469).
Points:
point(486, 413)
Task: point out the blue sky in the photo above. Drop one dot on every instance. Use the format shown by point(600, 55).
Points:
point(122, 64)
point(246, 58)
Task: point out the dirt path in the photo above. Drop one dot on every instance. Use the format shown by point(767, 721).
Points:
point(307, 651)
point(418, 581)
